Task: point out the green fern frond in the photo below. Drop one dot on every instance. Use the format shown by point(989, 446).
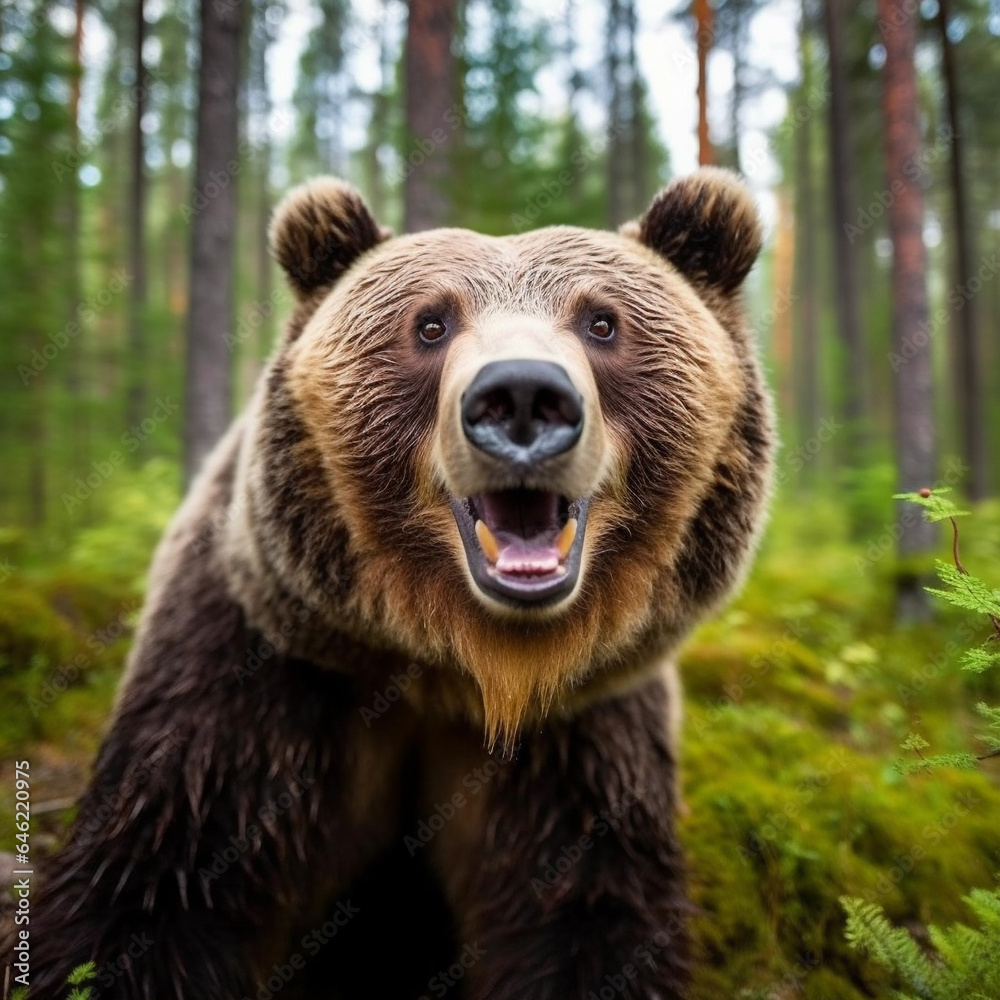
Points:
point(958, 761)
point(966, 591)
point(81, 974)
point(963, 965)
point(981, 658)
point(936, 506)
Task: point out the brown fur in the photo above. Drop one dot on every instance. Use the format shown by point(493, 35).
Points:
point(321, 533)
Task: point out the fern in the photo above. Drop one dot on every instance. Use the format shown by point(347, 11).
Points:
point(78, 979)
point(966, 591)
point(963, 964)
point(963, 590)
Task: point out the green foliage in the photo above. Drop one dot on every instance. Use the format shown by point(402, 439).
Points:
point(140, 504)
point(78, 979)
point(937, 507)
point(963, 964)
point(795, 701)
point(965, 591)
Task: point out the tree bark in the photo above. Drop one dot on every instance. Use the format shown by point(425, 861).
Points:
point(704, 33)
point(912, 362)
point(75, 366)
point(137, 341)
point(845, 296)
point(808, 405)
point(968, 362)
point(209, 361)
point(616, 120)
point(640, 193)
point(430, 93)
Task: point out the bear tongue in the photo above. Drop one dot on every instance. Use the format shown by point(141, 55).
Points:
point(522, 557)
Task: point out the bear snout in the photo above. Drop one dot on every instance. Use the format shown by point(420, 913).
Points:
point(522, 411)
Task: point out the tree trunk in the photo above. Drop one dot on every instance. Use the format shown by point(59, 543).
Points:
point(75, 366)
point(640, 193)
point(854, 379)
point(430, 93)
point(704, 33)
point(912, 362)
point(616, 120)
point(737, 99)
point(137, 341)
point(208, 367)
point(808, 404)
point(971, 415)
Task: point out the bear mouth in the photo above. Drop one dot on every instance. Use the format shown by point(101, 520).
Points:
point(523, 546)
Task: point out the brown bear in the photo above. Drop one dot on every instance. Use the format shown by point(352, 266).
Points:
point(398, 720)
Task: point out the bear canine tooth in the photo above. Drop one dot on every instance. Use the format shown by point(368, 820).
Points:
point(566, 538)
point(489, 544)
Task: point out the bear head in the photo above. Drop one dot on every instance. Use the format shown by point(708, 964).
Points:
point(533, 460)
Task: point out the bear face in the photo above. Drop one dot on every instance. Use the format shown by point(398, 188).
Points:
point(536, 459)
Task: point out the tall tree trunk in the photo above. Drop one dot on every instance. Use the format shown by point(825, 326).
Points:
point(75, 365)
point(617, 126)
point(430, 92)
point(808, 404)
point(736, 100)
point(637, 138)
point(704, 33)
point(379, 125)
point(137, 340)
point(854, 379)
point(914, 400)
point(208, 368)
point(972, 420)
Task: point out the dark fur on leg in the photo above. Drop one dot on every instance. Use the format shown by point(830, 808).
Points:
point(590, 800)
point(201, 764)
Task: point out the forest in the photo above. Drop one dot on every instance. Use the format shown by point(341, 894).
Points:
point(840, 751)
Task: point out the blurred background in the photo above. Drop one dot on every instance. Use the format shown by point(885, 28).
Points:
point(143, 145)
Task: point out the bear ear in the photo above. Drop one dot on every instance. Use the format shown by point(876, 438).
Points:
point(706, 225)
point(319, 230)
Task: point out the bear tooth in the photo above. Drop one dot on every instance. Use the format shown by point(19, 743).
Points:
point(487, 541)
point(566, 538)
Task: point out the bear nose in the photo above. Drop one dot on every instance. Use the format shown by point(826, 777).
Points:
point(522, 411)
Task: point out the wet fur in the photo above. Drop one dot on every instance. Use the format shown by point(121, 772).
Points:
point(319, 535)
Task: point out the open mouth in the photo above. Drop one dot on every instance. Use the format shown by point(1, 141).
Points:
point(523, 546)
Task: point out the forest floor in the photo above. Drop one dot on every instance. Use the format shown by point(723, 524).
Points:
point(797, 699)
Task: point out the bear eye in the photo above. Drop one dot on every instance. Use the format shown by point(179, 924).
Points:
point(602, 326)
point(431, 329)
